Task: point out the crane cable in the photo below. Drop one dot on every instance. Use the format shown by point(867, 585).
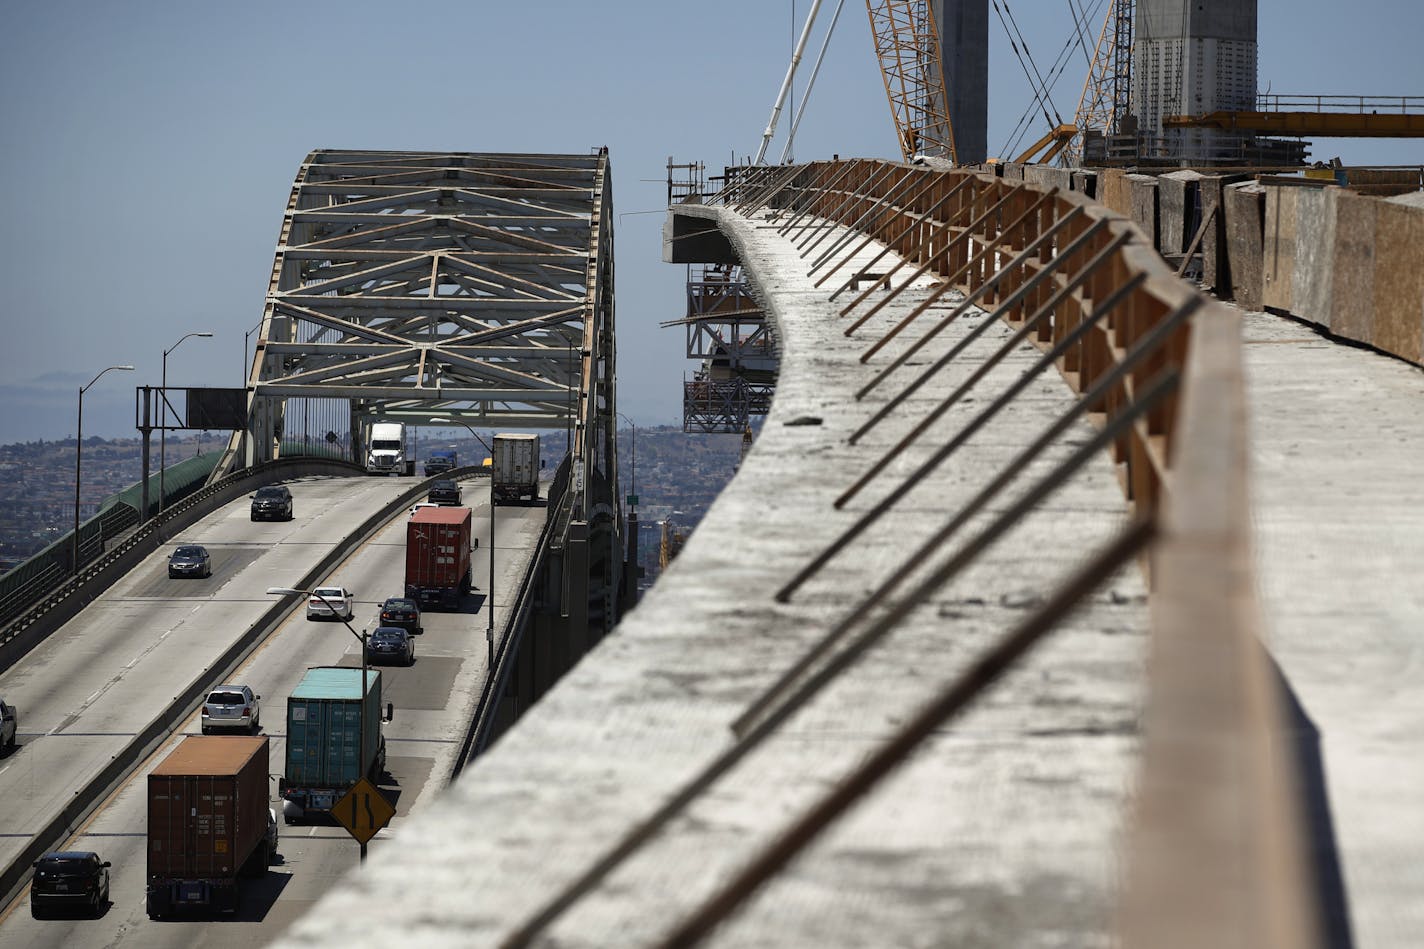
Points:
point(1025, 58)
point(1060, 64)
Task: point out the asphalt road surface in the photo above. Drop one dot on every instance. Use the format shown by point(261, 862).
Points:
point(96, 682)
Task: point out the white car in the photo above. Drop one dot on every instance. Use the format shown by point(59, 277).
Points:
point(232, 706)
point(329, 602)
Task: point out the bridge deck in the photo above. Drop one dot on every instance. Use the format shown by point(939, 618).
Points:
point(1338, 449)
point(1003, 832)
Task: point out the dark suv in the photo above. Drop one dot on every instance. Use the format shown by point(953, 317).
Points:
point(444, 491)
point(401, 611)
point(272, 503)
point(68, 878)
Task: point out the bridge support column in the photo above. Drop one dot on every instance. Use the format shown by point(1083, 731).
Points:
point(576, 587)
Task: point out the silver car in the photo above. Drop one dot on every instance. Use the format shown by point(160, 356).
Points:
point(331, 602)
point(232, 706)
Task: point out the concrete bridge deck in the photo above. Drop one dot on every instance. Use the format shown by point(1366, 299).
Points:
point(1338, 500)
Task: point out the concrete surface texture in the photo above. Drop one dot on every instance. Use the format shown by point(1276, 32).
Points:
point(1338, 444)
point(1003, 831)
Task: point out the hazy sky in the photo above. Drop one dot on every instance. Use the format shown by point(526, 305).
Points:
point(149, 147)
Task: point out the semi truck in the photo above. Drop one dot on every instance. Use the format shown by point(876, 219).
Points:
point(385, 449)
point(207, 823)
point(437, 556)
point(334, 739)
point(516, 468)
point(439, 461)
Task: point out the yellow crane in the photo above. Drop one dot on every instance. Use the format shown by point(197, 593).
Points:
point(907, 48)
point(1104, 103)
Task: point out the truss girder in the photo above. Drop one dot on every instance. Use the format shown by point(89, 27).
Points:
point(457, 285)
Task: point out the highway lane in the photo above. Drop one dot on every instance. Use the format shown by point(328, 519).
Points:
point(433, 701)
point(101, 678)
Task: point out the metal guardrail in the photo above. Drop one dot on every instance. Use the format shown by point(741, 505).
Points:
point(77, 586)
point(505, 658)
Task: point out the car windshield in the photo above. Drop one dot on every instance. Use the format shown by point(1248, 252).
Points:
point(269, 494)
point(400, 605)
point(188, 552)
point(388, 636)
point(385, 444)
point(66, 866)
point(327, 592)
point(225, 698)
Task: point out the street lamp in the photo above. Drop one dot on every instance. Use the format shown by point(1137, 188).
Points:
point(489, 596)
point(78, 453)
point(634, 492)
point(246, 367)
point(365, 665)
point(163, 418)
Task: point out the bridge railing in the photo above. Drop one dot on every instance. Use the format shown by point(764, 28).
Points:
point(1217, 849)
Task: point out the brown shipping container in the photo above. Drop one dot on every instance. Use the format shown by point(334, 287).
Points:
point(207, 808)
point(437, 549)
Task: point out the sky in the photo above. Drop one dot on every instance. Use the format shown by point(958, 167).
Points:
point(149, 147)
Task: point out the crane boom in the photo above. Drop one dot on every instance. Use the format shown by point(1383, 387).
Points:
point(1105, 99)
point(907, 48)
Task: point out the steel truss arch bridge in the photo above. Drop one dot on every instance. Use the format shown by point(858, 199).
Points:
point(475, 287)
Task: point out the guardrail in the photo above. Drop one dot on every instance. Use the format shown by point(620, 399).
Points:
point(53, 607)
point(85, 799)
point(505, 659)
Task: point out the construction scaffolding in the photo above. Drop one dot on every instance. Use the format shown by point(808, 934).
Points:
point(727, 333)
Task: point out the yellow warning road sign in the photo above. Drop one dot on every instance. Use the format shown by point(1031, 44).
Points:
point(363, 810)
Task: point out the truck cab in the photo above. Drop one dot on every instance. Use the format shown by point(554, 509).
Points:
point(385, 452)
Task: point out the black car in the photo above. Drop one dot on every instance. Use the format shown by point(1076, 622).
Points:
point(70, 878)
point(444, 491)
point(403, 612)
point(190, 560)
point(389, 644)
point(272, 503)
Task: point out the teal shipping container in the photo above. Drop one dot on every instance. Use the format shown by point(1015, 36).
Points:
point(324, 716)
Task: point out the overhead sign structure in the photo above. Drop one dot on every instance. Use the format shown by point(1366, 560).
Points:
point(363, 811)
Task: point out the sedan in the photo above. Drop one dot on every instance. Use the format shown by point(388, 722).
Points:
point(444, 491)
point(403, 612)
point(390, 643)
point(190, 560)
point(331, 602)
point(67, 878)
point(232, 706)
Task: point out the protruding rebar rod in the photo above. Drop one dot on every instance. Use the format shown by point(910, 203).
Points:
point(854, 229)
point(810, 202)
point(989, 248)
point(768, 707)
point(758, 731)
point(964, 305)
point(917, 183)
point(967, 233)
point(999, 312)
point(953, 700)
point(1148, 344)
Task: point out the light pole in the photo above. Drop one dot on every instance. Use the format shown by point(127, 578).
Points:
point(632, 568)
point(489, 595)
point(246, 368)
point(163, 417)
point(365, 665)
point(78, 453)
point(634, 492)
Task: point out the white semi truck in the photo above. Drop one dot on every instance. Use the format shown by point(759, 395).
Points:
point(515, 468)
point(385, 449)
